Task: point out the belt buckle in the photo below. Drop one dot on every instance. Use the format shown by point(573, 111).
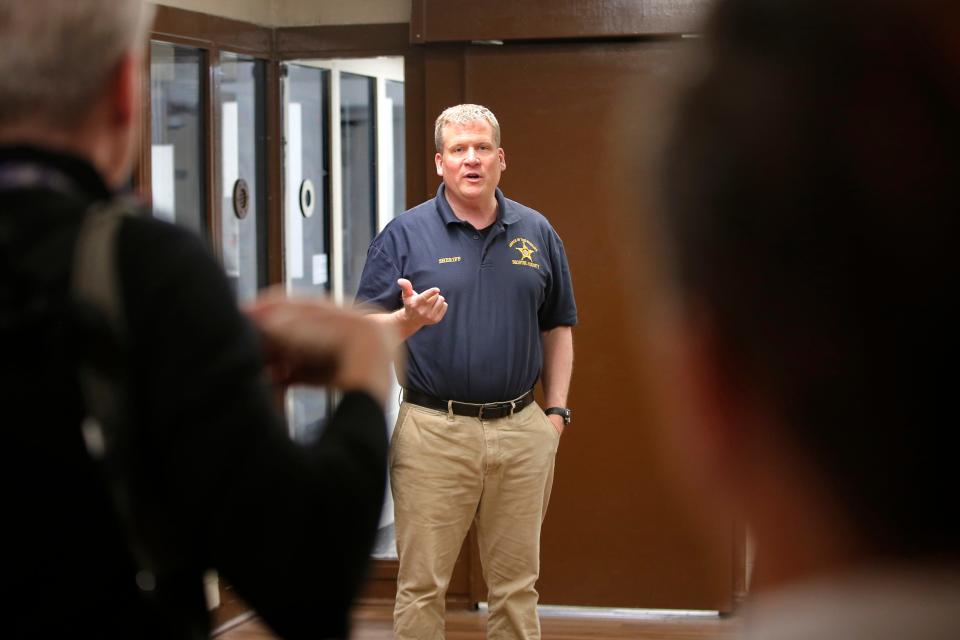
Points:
point(500, 406)
point(494, 407)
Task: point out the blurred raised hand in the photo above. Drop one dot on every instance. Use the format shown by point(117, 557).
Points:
point(315, 342)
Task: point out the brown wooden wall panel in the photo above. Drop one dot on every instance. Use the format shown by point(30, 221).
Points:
point(233, 35)
point(463, 21)
point(443, 87)
point(416, 116)
point(274, 161)
point(342, 40)
point(572, 116)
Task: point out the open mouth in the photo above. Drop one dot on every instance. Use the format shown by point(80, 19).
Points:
point(472, 176)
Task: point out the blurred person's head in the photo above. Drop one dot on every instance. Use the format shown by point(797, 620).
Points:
point(812, 191)
point(70, 77)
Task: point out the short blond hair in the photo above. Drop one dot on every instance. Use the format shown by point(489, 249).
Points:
point(462, 114)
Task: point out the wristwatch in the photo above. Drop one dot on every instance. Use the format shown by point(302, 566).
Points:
point(560, 411)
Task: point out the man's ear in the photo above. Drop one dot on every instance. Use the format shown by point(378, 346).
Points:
point(123, 90)
point(438, 159)
point(503, 159)
point(118, 119)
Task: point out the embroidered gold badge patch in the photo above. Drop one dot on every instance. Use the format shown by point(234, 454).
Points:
point(526, 249)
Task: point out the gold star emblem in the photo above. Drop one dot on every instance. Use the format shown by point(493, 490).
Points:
point(526, 252)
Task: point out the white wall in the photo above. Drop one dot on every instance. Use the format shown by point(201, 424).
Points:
point(290, 13)
point(255, 11)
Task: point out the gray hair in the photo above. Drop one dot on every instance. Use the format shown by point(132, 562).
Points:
point(463, 114)
point(58, 54)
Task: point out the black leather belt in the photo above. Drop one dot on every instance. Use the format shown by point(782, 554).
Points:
point(487, 411)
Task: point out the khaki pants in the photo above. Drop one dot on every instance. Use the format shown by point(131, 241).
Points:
point(447, 471)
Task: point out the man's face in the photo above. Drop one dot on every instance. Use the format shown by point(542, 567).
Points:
point(470, 162)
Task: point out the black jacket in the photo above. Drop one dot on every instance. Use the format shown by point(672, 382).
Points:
point(289, 527)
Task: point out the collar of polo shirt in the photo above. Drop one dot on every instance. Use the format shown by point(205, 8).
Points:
point(505, 213)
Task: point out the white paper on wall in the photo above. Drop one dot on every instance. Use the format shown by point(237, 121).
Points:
point(320, 268)
point(161, 182)
point(230, 168)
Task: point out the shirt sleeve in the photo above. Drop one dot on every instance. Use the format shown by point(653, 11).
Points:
point(378, 282)
point(559, 307)
point(290, 527)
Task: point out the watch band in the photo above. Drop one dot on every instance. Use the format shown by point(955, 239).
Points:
point(563, 412)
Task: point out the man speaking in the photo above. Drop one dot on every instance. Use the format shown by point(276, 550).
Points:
point(479, 287)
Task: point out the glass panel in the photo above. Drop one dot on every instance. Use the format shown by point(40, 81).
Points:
point(358, 157)
point(306, 238)
point(177, 157)
point(395, 96)
point(242, 143)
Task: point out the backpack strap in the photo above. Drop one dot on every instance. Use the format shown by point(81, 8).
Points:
point(95, 284)
point(161, 575)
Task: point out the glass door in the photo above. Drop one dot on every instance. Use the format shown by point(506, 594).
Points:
point(243, 211)
point(358, 135)
point(351, 112)
point(306, 216)
point(177, 161)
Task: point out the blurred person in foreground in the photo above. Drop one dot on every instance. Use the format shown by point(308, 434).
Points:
point(812, 197)
point(209, 474)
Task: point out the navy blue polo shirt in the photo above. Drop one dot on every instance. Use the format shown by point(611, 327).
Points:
point(503, 288)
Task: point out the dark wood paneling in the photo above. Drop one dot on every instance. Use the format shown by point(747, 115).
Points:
point(180, 25)
point(443, 87)
point(417, 20)
point(342, 41)
point(416, 128)
point(461, 21)
point(142, 171)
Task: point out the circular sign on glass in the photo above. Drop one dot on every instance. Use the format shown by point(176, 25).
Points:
point(308, 198)
point(241, 198)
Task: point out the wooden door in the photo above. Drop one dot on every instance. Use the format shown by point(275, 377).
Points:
point(574, 116)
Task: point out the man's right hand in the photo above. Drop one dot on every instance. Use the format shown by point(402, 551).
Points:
point(420, 309)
